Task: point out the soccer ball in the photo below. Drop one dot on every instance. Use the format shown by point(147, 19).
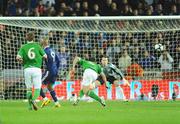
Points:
point(159, 47)
point(73, 98)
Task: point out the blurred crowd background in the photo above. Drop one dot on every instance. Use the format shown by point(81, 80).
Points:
point(133, 53)
point(126, 50)
point(89, 7)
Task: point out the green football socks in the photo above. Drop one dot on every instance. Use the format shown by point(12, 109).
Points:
point(94, 96)
point(36, 94)
point(29, 94)
point(90, 94)
point(81, 93)
point(29, 97)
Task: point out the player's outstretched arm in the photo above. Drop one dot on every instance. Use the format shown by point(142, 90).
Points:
point(19, 59)
point(41, 50)
point(75, 61)
point(45, 56)
point(72, 70)
point(118, 71)
point(126, 82)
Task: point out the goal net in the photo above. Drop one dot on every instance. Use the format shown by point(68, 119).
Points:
point(146, 49)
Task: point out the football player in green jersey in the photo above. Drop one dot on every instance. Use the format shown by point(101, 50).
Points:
point(31, 55)
point(90, 74)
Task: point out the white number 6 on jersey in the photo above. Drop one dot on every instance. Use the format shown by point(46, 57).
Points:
point(31, 53)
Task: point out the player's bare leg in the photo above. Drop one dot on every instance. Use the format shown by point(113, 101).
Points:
point(120, 90)
point(126, 82)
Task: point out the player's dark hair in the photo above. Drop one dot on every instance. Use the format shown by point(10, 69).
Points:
point(104, 56)
point(30, 36)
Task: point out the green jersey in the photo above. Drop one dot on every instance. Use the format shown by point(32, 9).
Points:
point(32, 54)
point(90, 65)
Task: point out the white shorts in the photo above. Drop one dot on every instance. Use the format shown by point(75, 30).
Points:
point(89, 76)
point(33, 77)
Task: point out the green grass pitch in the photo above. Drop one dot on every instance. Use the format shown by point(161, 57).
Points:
point(116, 112)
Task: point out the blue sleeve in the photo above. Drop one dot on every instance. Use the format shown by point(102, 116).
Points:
point(57, 61)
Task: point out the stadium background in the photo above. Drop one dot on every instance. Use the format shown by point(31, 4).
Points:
point(88, 7)
point(136, 47)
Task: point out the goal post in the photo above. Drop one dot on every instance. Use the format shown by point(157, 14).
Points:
point(1, 75)
point(129, 42)
point(97, 24)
